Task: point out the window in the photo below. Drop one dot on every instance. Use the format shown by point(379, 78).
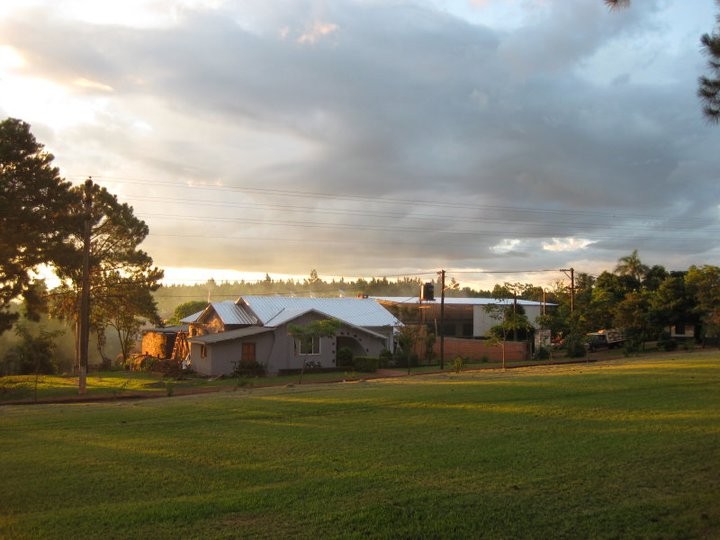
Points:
point(307, 345)
point(203, 351)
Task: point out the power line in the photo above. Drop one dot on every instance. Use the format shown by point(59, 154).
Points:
point(670, 222)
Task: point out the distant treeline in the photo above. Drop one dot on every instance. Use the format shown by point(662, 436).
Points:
point(168, 297)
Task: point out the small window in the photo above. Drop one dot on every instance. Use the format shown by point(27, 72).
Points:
point(203, 351)
point(307, 345)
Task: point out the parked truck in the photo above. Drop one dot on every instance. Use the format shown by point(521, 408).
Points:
point(604, 339)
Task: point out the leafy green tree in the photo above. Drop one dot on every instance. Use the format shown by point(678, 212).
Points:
point(33, 216)
point(631, 266)
point(704, 284)
point(631, 314)
point(672, 303)
point(126, 307)
point(186, 309)
point(122, 276)
point(654, 277)
point(34, 353)
point(608, 292)
point(311, 331)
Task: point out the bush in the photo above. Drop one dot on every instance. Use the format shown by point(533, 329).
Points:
point(344, 357)
point(386, 359)
point(631, 347)
point(407, 360)
point(543, 353)
point(458, 364)
point(33, 353)
point(248, 368)
point(575, 347)
point(366, 364)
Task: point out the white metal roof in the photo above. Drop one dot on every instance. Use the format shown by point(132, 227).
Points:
point(459, 301)
point(363, 312)
point(228, 311)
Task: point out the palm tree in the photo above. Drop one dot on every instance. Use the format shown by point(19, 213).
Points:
point(631, 265)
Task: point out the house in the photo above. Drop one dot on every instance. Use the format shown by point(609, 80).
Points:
point(257, 329)
point(463, 317)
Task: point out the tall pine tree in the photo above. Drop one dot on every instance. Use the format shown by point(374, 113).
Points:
point(33, 216)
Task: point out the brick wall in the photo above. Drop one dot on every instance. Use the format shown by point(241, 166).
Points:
point(476, 349)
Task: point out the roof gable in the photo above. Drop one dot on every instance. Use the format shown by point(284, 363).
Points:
point(360, 312)
point(228, 312)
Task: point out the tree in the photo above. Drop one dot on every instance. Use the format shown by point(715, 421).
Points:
point(704, 284)
point(34, 353)
point(709, 87)
point(33, 216)
point(310, 332)
point(671, 303)
point(138, 306)
point(186, 309)
point(631, 314)
point(122, 276)
point(631, 266)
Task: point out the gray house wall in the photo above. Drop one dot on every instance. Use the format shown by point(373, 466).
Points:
point(276, 349)
point(220, 357)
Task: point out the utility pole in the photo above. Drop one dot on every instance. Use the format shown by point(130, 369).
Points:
point(570, 272)
point(85, 292)
point(442, 319)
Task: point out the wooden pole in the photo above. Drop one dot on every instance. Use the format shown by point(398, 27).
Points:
point(442, 319)
point(85, 292)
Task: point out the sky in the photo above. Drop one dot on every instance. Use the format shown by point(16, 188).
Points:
point(495, 139)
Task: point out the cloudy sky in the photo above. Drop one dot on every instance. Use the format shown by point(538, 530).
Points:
point(380, 137)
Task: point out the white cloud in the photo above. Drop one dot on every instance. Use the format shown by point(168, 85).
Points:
point(318, 31)
point(566, 244)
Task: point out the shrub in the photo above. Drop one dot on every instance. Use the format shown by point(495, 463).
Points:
point(575, 346)
point(248, 368)
point(386, 359)
point(458, 364)
point(543, 353)
point(344, 357)
point(32, 354)
point(631, 347)
point(366, 364)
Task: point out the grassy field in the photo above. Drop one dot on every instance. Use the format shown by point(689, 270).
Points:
point(623, 449)
point(127, 384)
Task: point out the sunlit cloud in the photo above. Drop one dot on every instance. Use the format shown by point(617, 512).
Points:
point(566, 244)
point(319, 30)
point(505, 246)
point(92, 85)
point(10, 58)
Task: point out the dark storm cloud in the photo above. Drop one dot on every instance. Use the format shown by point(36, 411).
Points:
point(520, 134)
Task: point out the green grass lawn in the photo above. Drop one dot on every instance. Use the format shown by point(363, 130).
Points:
point(623, 449)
